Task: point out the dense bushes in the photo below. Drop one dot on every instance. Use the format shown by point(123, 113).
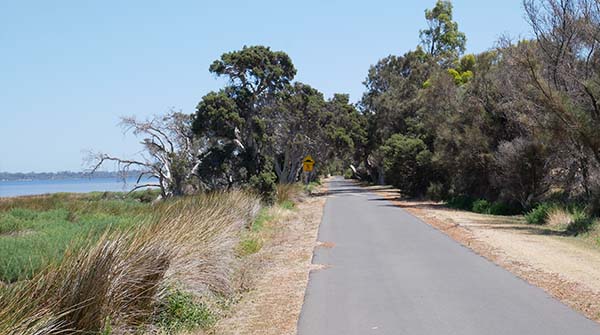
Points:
point(581, 222)
point(539, 214)
point(265, 184)
point(483, 206)
point(406, 163)
point(436, 192)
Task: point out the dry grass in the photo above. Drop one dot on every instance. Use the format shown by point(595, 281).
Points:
point(289, 192)
point(559, 218)
point(119, 281)
point(274, 279)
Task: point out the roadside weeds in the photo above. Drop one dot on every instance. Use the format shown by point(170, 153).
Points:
point(276, 276)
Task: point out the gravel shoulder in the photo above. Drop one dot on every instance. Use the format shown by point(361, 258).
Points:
point(563, 266)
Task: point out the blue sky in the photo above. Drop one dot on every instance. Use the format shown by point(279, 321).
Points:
point(69, 69)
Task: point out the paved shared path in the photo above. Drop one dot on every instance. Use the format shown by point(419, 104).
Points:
point(390, 273)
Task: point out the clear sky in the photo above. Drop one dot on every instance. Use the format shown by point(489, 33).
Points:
point(69, 69)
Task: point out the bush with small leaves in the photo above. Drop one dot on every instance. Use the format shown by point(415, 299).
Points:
point(581, 223)
point(538, 215)
point(481, 206)
point(463, 202)
point(265, 184)
point(437, 192)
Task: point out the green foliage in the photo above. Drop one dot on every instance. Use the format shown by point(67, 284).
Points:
point(481, 206)
point(287, 204)
point(462, 202)
point(348, 174)
point(249, 246)
point(180, 311)
point(263, 217)
point(503, 208)
point(406, 163)
point(467, 63)
point(539, 214)
point(233, 123)
point(442, 37)
point(460, 78)
point(265, 184)
point(217, 114)
point(256, 68)
point(437, 191)
point(581, 223)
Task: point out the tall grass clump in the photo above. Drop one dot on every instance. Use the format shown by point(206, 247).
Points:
point(120, 279)
point(288, 193)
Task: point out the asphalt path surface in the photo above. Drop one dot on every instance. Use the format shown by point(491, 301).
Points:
point(390, 273)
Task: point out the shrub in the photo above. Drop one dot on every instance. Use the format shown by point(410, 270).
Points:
point(349, 174)
point(481, 206)
point(249, 246)
point(265, 184)
point(462, 202)
point(581, 223)
point(406, 162)
point(503, 208)
point(539, 214)
point(436, 192)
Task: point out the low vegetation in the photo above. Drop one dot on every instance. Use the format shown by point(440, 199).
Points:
point(36, 231)
point(111, 264)
point(121, 277)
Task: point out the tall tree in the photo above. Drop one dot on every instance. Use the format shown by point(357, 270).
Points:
point(232, 123)
point(442, 39)
point(296, 125)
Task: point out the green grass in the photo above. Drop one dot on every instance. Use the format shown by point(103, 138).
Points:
point(287, 204)
point(35, 231)
point(249, 246)
point(180, 311)
point(263, 217)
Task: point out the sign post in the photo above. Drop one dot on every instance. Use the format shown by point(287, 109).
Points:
point(307, 166)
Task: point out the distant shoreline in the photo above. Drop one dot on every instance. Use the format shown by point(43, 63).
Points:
point(62, 175)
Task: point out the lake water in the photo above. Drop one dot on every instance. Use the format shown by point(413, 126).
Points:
point(83, 185)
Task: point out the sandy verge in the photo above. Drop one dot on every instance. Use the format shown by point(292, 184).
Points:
point(567, 270)
point(274, 302)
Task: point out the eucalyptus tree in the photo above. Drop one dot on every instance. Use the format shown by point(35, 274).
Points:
point(442, 39)
point(232, 122)
point(391, 103)
point(168, 158)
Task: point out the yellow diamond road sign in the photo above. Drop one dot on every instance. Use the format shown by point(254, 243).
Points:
point(308, 163)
